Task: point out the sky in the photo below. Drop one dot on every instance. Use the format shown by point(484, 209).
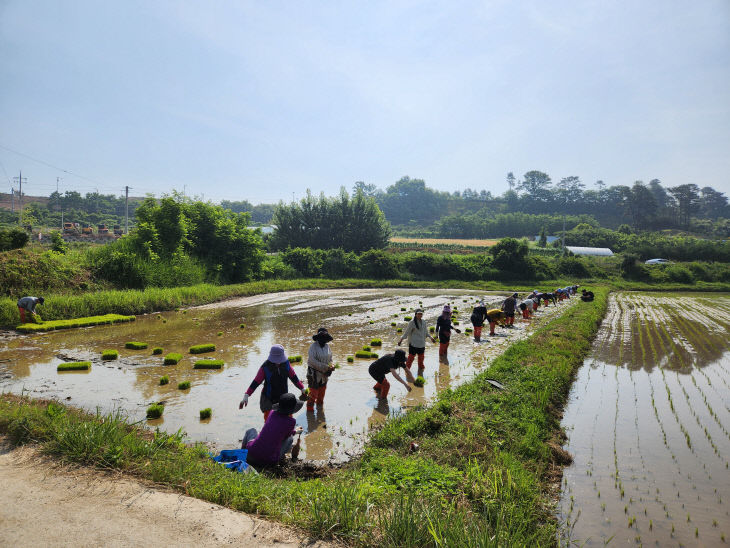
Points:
point(260, 101)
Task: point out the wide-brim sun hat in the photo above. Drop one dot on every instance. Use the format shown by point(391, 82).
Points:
point(322, 333)
point(288, 404)
point(277, 354)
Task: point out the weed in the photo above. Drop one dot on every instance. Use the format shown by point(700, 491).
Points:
point(135, 345)
point(108, 355)
point(74, 366)
point(157, 351)
point(205, 413)
point(155, 411)
point(183, 385)
point(164, 380)
point(172, 358)
point(202, 348)
point(208, 364)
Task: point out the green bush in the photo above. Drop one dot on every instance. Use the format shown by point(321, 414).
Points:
point(135, 345)
point(172, 358)
point(108, 355)
point(74, 366)
point(13, 238)
point(155, 411)
point(202, 348)
point(208, 364)
point(679, 273)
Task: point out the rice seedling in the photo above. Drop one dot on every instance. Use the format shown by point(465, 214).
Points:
point(52, 325)
point(155, 411)
point(202, 348)
point(403, 309)
point(371, 321)
point(393, 324)
point(376, 342)
point(108, 355)
point(365, 354)
point(295, 359)
point(135, 345)
point(366, 348)
point(205, 413)
point(183, 385)
point(399, 330)
point(468, 330)
point(420, 381)
point(208, 364)
point(432, 328)
point(172, 358)
point(242, 326)
point(220, 333)
point(74, 366)
point(350, 359)
point(164, 380)
point(407, 318)
point(157, 351)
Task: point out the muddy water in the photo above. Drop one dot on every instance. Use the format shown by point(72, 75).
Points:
point(353, 317)
point(649, 426)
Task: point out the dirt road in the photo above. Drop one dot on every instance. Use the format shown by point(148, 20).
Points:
point(45, 505)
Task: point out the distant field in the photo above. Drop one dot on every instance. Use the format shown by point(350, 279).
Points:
point(444, 241)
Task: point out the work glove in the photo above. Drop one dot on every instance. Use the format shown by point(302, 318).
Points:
point(244, 401)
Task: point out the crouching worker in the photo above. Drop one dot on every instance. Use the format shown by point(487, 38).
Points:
point(389, 364)
point(495, 316)
point(28, 304)
point(277, 435)
point(478, 315)
point(274, 373)
point(319, 362)
point(587, 296)
point(526, 309)
point(508, 307)
point(416, 333)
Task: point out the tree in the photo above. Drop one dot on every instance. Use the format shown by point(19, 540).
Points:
point(713, 204)
point(367, 189)
point(569, 190)
point(511, 181)
point(537, 186)
point(410, 199)
point(510, 255)
point(688, 200)
point(542, 242)
point(639, 204)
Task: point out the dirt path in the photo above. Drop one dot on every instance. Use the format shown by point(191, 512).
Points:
point(44, 505)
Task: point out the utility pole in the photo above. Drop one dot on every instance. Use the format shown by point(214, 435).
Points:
point(12, 200)
point(19, 178)
point(126, 210)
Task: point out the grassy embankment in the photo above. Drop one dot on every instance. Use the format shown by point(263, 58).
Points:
point(483, 476)
point(154, 299)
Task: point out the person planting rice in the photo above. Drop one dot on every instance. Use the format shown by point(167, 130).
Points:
point(526, 307)
point(274, 373)
point(28, 304)
point(545, 298)
point(319, 367)
point(443, 330)
point(277, 435)
point(389, 364)
point(478, 315)
point(416, 333)
point(587, 296)
point(508, 306)
point(535, 299)
point(495, 316)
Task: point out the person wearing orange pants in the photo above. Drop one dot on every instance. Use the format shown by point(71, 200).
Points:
point(478, 315)
point(416, 333)
point(508, 306)
point(319, 367)
point(389, 364)
point(443, 330)
point(26, 305)
point(526, 308)
point(495, 316)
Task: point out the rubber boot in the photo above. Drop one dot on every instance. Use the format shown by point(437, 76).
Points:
point(385, 389)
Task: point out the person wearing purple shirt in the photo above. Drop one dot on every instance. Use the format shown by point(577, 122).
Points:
point(277, 436)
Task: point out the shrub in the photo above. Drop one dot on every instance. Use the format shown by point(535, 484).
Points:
point(208, 364)
point(155, 411)
point(13, 238)
point(135, 345)
point(172, 358)
point(108, 355)
point(157, 351)
point(164, 380)
point(295, 359)
point(74, 366)
point(202, 348)
point(376, 342)
point(679, 273)
point(205, 413)
point(183, 385)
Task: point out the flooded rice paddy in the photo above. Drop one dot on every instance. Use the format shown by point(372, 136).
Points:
point(649, 426)
point(353, 317)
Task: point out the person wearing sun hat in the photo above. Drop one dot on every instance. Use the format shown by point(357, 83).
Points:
point(416, 333)
point(277, 435)
point(389, 364)
point(508, 307)
point(319, 367)
point(443, 330)
point(274, 373)
point(478, 315)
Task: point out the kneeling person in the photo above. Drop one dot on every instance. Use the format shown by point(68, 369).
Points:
point(389, 364)
point(277, 435)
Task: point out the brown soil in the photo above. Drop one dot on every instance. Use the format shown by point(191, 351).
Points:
point(43, 504)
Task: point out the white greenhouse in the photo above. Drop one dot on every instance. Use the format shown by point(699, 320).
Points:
point(594, 251)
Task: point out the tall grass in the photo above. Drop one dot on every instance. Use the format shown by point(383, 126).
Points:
point(482, 477)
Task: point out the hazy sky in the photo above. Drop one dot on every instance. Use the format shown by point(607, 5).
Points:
point(259, 100)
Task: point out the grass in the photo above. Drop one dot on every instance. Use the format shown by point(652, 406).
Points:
point(108, 355)
point(157, 351)
point(183, 385)
point(484, 474)
point(74, 366)
point(135, 345)
point(208, 364)
point(155, 411)
point(106, 319)
point(205, 413)
point(295, 359)
point(164, 380)
point(172, 358)
point(202, 348)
